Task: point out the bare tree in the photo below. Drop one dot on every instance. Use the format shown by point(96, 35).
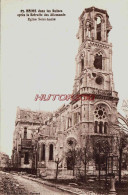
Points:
point(122, 140)
point(101, 150)
point(57, 161)
point(122, 144)
point(125, 108)
point(85, 156)
point(72, 154)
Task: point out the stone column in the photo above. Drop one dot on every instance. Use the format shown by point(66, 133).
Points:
point(103, 63)
point(73, 119)
point(46, 154)
point(98, 127)
point(82, 34)
point(112, 183)
point(105, 32)
point(105, 35)
point(110, 60)
point(88, 54)
point(40, 153)
point(79, 68)
point(91, 56)
point(102, 31)
point(95, 30)
point(102, 129)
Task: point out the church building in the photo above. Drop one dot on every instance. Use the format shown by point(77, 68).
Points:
point(40, 138)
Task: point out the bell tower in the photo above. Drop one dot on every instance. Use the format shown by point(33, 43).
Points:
point(94, 74)
point(94, 59)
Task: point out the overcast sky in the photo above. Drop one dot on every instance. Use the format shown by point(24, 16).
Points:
point(39, 57)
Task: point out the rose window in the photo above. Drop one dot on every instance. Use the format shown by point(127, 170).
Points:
point(100, 112)
point(71, 142)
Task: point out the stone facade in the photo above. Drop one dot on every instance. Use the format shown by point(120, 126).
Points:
point(4, 160)
point(51, 135)
point(25, 137)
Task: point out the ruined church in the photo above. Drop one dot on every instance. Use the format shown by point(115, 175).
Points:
point(40, 138)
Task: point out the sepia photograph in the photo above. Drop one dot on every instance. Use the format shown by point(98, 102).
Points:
point(64, 97)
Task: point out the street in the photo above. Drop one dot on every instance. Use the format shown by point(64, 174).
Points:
point(14, 185)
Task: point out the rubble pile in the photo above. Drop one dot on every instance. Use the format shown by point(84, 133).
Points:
point(10, 186)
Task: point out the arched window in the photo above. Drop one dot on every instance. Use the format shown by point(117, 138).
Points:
point(105, 127)
point(82, 31)
point(25, 133)
point(98, 61)
point(51, 152)
point(38, 155)
point(82, 64)
point(89, 31)
point(81, 81)
point(100, 118)
point(26, 158)
point(75, 118)
point(43, 152)
point(100, 127)
point(95, 128)
point(98, 28)
point(69, 122)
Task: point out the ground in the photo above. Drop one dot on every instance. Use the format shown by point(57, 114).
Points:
point(24, 184)
point(98, 187)
point(14, 185)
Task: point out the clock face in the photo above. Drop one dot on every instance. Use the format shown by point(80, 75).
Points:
point(99, 80)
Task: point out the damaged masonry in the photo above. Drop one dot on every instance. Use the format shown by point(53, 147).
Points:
point(42, 138)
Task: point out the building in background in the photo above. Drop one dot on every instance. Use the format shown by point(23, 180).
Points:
point(27, 126)
point(4, 160)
